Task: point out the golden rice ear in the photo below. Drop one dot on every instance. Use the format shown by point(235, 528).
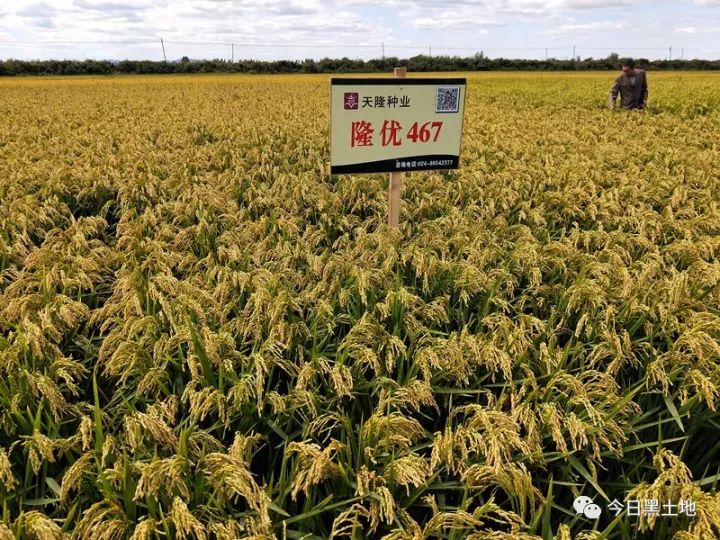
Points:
point(244, 445)
point(385, 505)
point(187, 526)
point(44, 387)
point(6, 475)
point(103, 520)
point(73, 477)
point(674, 483)
point(407, 471)
point(342, 380)
point(413, 396)
point(145, 529)
point(564, 532)
point(156, 427)
point(552, 417)
point(381, 508)
point(387, 431)
point(229, 476)
point(349, 521)
point(40, 448)
point(163, 477)
point(206, 402)
point(38, 525)
point(514, 480)
point(315, 465)
point(230, 530)
point(110, 446)
point(5, 533)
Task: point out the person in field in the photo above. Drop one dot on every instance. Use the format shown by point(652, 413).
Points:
point(632, 87)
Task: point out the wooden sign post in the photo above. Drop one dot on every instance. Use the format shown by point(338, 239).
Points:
point(396, 178)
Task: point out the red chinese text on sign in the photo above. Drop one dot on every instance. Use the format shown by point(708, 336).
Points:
point(389, 133)
point(361, 134)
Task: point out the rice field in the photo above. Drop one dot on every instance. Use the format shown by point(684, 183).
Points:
point(203, 335)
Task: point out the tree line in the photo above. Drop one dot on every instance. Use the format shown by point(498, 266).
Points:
point(420, 63)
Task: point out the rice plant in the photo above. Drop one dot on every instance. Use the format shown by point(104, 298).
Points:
point(204, 335)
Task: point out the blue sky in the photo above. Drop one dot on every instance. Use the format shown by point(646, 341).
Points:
point(296, 29)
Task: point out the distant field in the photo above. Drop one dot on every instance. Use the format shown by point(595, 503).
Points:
point(204, 335)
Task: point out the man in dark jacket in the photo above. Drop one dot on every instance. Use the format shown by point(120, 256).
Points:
point(632, 87)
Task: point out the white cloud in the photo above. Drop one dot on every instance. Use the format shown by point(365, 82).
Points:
point(567, 5)
point(703, 30)
point(502, 6)
point(187, 20)
point(462, 18)
point(51, 4)
point(109, 6)
point(449, 23)
point(590, 27)
point(132, 28)
point(591, 4)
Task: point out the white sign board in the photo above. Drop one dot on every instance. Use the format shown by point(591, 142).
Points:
point(380, 125)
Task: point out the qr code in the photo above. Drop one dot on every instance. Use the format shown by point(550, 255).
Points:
point(447, 99)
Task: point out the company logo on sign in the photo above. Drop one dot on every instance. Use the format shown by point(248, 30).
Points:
point(351, 100)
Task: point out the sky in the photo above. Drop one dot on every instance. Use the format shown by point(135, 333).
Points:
point(299, 29)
